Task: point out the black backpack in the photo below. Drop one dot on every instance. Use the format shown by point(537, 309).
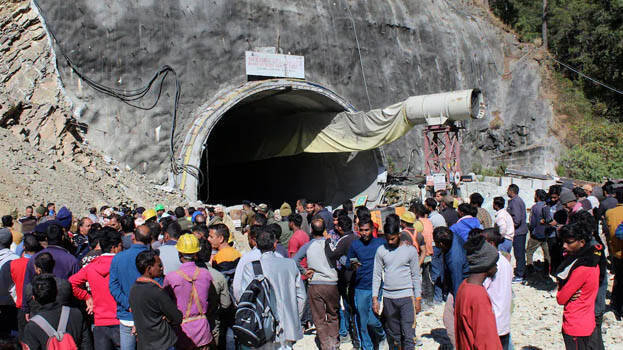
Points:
point(255, 322)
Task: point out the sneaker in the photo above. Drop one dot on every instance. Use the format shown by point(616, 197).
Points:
point(517, 280)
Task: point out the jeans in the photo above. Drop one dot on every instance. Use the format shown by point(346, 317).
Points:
point(506, 246)
point(106, 337)
point(436, 274)
point(519, 247)
point(126, 338)
point(367, 319)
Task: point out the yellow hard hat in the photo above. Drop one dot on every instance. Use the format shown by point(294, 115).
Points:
point(148, 214)
point(418, 226)
point(408, 217)
point(188, 244)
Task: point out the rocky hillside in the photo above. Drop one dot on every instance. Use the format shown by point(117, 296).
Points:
point(44, 155)
point(372, 53)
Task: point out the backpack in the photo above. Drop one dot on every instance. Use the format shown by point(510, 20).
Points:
point(57, 339)
point(618, 233)
point(255, 322)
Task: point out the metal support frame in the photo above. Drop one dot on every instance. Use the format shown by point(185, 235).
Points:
point(442, 150)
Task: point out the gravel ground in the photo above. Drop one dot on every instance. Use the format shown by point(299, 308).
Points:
point(536, 322)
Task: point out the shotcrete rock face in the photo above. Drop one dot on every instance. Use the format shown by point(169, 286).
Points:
point(236, 170)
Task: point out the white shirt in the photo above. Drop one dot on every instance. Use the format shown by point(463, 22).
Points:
point(594, 201)
point(501, 294)
point(505, 223)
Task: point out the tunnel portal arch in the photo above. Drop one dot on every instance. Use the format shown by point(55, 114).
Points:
point(219, 124)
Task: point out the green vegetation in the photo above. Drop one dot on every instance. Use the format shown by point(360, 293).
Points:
point(588, 35)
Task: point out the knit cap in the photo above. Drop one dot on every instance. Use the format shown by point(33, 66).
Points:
point(481, 256)
point(567, 196)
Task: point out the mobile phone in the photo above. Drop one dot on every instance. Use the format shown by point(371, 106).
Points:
point(355, 261)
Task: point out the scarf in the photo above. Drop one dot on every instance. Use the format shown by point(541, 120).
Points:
point(590, 255)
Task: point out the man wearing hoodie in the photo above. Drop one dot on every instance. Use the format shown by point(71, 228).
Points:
point(100, 303)
point(123, 274)
point(8, 311)
point(467, 221)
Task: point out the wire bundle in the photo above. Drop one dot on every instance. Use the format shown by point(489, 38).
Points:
point(130, 97)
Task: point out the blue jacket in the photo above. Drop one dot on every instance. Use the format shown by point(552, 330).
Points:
point(456, 268)
point(365, 254)
point(463, 226)
point(123, 274)
point(327, 218)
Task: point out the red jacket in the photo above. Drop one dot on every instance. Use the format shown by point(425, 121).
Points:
point(578, 317)
point(18, 272)
point(96, 274)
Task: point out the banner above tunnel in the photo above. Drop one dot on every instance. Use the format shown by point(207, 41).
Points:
point(330, 132)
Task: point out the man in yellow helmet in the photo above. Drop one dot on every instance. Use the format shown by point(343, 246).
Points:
point(412, 233)
point(190, 285)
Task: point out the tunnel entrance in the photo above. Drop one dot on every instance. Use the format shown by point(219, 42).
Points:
point(236, 170)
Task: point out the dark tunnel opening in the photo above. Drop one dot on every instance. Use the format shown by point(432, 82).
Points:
point(237, 169)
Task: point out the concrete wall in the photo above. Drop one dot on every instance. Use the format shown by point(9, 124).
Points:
point(405, 48)
point(492, 187)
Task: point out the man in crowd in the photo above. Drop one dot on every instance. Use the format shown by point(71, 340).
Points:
point(455, 270)
point(504, 222)
point(578, 284)
point(517, 210)
point(476, 200)
point(614, 218)
point(467, 221)
point(301, 206)
point(288, 289)
point(44, 291)
point(447, 210)
point(44, 264)
point(80, 240)
point(190, 286)
point(66, 264)
point(397, 267)
point(322, 293)
point(474, 320)
point(345, 276)
point(499, 288)
point(539, 215)
point(8, 312)
point(123, 274)
point(361, 259)
point(100, 302)
point(168, 252)
point(12, 277)
point(155, 313)
point(435, 218)
point(248, 257)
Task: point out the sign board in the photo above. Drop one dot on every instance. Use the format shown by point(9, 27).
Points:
point(429, 180)
point(360, 201)
point(274, 65)
point(439, 181)
point(376, 217)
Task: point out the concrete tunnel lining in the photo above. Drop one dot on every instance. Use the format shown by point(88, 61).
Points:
point(343, 175)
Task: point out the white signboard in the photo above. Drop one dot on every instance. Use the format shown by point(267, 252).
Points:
point(274, 65)
point(439, 181)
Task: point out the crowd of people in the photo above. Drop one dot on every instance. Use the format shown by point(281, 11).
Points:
point(188, 278)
